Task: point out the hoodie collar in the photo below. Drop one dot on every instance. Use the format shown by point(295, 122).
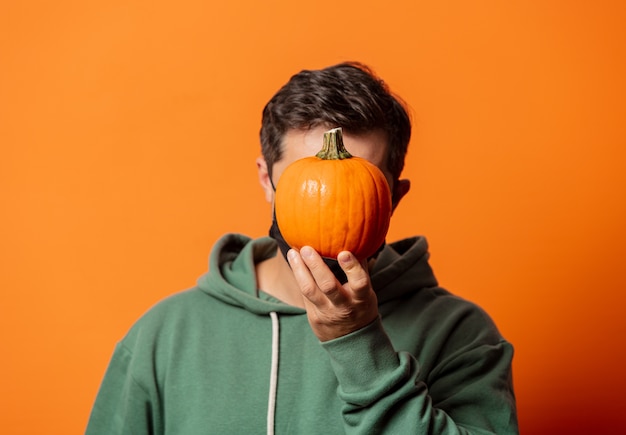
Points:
point(232, 275)
point(400, 268)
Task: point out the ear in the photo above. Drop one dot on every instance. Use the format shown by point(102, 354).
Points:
point(400, 188)
point(264, 179)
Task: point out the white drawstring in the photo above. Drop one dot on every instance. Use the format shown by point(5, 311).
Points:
point(271, 404)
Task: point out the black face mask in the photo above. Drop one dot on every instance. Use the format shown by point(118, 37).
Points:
point(332, 264)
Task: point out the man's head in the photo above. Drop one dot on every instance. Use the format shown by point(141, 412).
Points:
point(347, 95)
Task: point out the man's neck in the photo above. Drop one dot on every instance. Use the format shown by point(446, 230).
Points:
point(274, 277)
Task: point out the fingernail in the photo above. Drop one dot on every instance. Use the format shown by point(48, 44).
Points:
point(291, 254)
point(344, 257)
point(306, 252)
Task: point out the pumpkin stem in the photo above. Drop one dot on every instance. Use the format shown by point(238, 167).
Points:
point(333, 148)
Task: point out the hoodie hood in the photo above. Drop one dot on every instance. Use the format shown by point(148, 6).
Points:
point(401, 267)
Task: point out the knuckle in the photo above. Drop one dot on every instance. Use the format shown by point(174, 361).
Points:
point(359, 282)
point(327, 286)
point(314, 266)
point(307, 289)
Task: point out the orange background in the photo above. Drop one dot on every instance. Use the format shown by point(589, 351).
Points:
point(128, 135)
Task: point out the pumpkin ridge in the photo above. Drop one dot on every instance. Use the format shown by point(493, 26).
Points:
point(379, 223)
point(321, 230)
point(369, 213)
point(317, 174)
point(377, 217)
point(357, 210)
point(384, 192)
point(300, 224)
point(338, 227)
point(344, 217)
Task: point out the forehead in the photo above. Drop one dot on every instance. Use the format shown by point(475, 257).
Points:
point(371, 146)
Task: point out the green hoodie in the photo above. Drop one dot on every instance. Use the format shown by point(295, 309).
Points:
point(225, 358)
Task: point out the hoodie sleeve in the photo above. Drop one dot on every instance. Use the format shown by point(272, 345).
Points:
point(383, 390)
point(122, 406)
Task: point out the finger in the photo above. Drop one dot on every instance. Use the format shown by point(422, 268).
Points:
point(358, 276)
point(304, 278)
point(323, 276)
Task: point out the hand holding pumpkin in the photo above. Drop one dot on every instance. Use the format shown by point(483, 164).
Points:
point(334, 310)
point(336, 206)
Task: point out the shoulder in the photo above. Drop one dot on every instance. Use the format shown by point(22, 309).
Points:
point(460, 315)
point(162, 320)
point(176, 305)
point(443, 318)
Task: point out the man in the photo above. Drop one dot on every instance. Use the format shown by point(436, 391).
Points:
point(282, 341)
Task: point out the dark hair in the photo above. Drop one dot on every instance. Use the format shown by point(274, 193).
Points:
point(348, 95)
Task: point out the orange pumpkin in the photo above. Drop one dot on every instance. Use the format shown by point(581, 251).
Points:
point(333, 202)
